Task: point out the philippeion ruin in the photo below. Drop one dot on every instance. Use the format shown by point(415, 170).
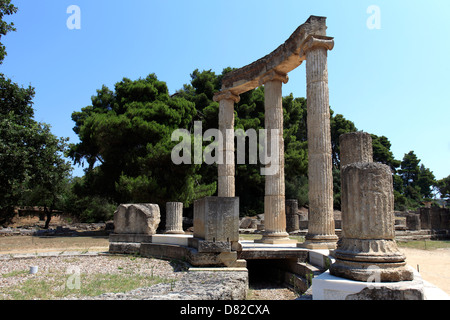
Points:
point(359, 262)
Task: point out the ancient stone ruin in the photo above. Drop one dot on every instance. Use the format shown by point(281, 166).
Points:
point(216, 219)
point(174, 218)
point(308, 43)
point(367, 199)
point(133, 225)
point(367, 241)
point(292, 218)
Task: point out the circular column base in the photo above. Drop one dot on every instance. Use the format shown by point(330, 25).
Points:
point(369, 250)
point(174, 232)
point(275, 238)
point(321, 241)
point(372, 272)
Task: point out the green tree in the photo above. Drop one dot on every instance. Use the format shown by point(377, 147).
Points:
point(6, 8)
point(296, 149)
point(125, 137)
point(382, 152)
point(443, 186)
point(425, 181)
point(410, 169)
point(49, 177)
point(16, 123)
point(417, 181)
point(339, 126)
point(31, 158)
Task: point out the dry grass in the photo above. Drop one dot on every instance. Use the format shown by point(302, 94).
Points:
point(27, 244)
point(425, 244)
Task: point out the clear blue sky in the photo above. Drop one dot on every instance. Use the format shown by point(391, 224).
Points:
point(393, 81)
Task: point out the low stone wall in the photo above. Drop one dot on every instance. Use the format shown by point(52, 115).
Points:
point(435, 218)
point(195, 285)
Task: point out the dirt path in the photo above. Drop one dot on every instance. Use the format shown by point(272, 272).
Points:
point(433, 265)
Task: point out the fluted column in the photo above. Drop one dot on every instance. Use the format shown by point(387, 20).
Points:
point(292, 221)
point(274, 199)
point(321, 234)
point(174, 218)
point(368, 249)
point(226, 174)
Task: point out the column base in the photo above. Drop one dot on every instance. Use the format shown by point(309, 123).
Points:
point(320, 242)
point(371, 271)
point(369, 250)
point(278, 238)
point(317, 245)
point(174, 232)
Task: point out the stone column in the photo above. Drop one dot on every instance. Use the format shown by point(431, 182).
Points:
point(321, 233)
point(226, 177)
point(292, 220)
point(355, 147)
point(174, 218)
point(274, 199)
point(367, 250)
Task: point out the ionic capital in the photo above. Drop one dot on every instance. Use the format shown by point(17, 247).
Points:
point(228, 95)
point(273, 75)
point(314, 42)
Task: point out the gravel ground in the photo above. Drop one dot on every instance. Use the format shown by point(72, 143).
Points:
point(15, 271)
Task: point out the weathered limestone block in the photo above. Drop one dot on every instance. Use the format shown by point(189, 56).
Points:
point(216, 232)
point(368, 235)
point(413, 221)
point(124, 247)
point(174, 218)
point(141, 218)
point(210, 246)
point(216, 219)
point(355, 147)
point(391, 294)
point(246, 223)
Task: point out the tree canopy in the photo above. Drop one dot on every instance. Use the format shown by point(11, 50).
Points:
point(31, 157)
point(414, 184)
point(443, 186)
point(126, 140)
point(6, 8)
